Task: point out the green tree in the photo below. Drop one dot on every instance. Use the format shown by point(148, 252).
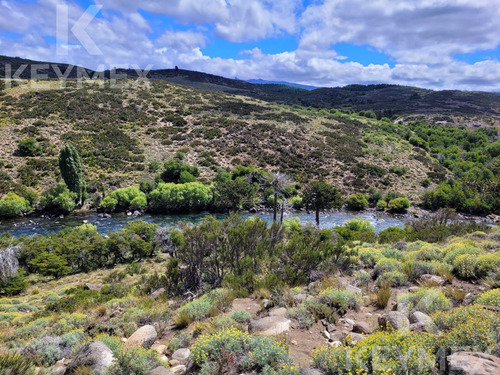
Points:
point(320, 195)
point(71, 171)
point(49, 264)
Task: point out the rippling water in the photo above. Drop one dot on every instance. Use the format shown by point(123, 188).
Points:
point(41, 225)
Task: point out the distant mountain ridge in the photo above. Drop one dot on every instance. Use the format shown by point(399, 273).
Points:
point(385, 100)
point(284, 83)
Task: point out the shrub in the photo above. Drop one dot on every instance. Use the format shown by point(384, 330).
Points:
point(397, 352)
point(177, 172)
point(391, 235)
point(393, 253)
point(399, 205)
point(136, 360)
point(59, 199)
point(180, 197)
point(341, 300)
point(395, 278)
point(369, 256)
point(425, 300)
point(470, 328)
point(232, 350)
point(357, 202)
point(490, 298)
point(28, 147)
point(297, 202)
point(13, 205)
point(386, 265)
point(302, 315)
point(49, 264)
point(13, 364)
point(123, 199)
point(381, 205)
point(114, 343)
point(383, 295)
point(209, 304)
point(241, 316)
point(13, 285)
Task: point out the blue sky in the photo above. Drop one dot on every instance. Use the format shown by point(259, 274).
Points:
point(438, 44)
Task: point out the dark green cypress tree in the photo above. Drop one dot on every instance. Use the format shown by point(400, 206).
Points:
point(70, 166)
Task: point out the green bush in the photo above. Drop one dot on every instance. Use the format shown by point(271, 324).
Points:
point(209, 304)
point(169, 197)
point(136, 360)
point(233, 349)
point(395, 278)
point(391, 235)
point(490, 298)
point(13, 285)
point(357, 202)
point(49, 264)
point(386, 265)
point(425, 300)
point(468, 328)
point(59, 199)
point(399, 205)
point(28, 147)
point(297, 202)
point(397, 352)
point(124, 199)
point(177, 172)
point(13, 205)
point(241, 316)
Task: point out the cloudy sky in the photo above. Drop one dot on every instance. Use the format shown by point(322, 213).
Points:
point(438, 44)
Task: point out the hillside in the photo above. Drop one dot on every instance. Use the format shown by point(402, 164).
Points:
point(120, 132)
point(397, 102)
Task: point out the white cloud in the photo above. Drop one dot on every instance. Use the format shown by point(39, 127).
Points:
point(422, 36)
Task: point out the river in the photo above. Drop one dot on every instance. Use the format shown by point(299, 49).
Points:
point(43, 225)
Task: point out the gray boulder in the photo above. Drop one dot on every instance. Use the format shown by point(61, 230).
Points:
point(469, 363)
point(361, 327)
point(394, 320)
point(181, 355)
point(160, 370)
point(94, 355)
point(144, 336)
point(433, 279)
point(271, 325)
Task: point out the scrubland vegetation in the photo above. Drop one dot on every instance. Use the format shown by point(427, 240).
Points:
point(77, 286)
point(188, 149)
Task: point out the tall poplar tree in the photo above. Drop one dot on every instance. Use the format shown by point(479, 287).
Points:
point(70, 166)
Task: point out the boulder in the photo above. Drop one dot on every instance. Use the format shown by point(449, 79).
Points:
point(271, 325)
point(433, 279)
point(179, 370)
point(310, 370)
point(299, 298)
point(394, 320)
point(468, 299)
point(469, 363)
point(420, 317)
point(157, 293)
point(353, 338)
point(90, 286)
point(281, 311)
point(160, 370)
point(144, 336)
point(181, 355)
point(95, 355)
point(354, 289)
point(361, 327)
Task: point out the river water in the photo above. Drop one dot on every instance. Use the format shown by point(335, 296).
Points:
point(43, 225)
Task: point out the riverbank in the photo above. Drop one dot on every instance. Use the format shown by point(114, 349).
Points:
point(106, 223)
